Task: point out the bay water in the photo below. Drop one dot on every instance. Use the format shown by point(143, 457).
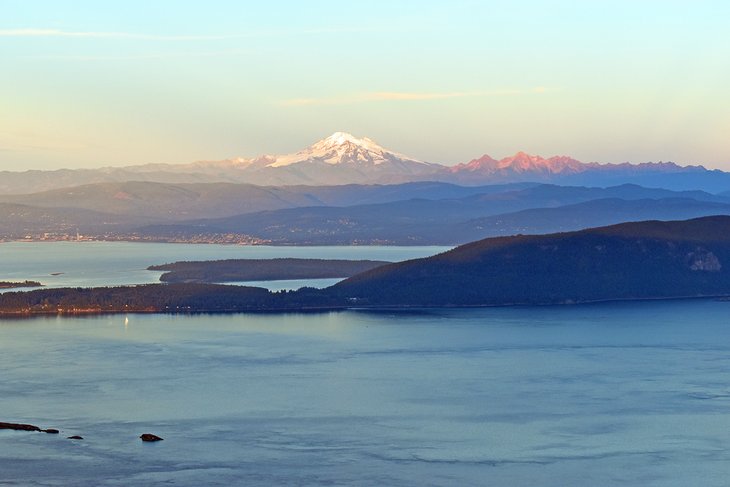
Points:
point(608, 394)
point(91, 264)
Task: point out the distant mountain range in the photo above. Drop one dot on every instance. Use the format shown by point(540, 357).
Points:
point(345, 159)
point(344, 190)
point(450, 221)
point(166, 202)
point(419, 213)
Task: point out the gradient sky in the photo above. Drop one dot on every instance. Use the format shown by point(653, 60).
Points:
point(89, 83)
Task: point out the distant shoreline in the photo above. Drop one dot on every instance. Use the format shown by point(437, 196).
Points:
point(19, 284)
point(250, 301)
point(226, 243)
point(281, 268)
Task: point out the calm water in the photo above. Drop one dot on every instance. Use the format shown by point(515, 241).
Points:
point(613, 394)
point(603, 395)
point(86, 264)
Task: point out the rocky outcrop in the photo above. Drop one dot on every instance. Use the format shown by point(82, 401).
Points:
point(19, 427)
point(704, 260)
point(150, 437)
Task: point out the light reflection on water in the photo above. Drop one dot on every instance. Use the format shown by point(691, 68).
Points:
point(610, 394)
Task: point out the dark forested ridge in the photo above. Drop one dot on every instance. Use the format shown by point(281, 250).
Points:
point(232, 270)
point(641, 260)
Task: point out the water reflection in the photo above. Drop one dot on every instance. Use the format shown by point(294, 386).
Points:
point(621, 394)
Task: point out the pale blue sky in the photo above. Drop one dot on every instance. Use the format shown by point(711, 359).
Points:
point(89, 83)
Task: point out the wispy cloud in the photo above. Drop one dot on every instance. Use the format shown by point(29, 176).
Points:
point(141, 57)
point(39, 32)
point(116, 35)
point(404, 96)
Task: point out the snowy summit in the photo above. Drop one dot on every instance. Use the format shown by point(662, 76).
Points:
point(342, 148)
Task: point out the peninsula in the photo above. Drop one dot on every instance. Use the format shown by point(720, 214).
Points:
point(19, 284)
point(236, 270)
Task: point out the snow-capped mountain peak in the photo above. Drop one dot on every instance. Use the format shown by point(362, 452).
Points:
point(342, 148)
point(343, 138)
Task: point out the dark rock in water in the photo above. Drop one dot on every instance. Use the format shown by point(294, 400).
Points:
point(150, 437)
point(19, 427)
point(26, 427)
point(75, 437)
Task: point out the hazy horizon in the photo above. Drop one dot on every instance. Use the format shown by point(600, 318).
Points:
point(292, 152)
point(135, 83)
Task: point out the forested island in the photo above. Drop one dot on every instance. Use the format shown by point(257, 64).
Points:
point(232, 270)
point(163, 298)
point(19, 284)
point(643, 260)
